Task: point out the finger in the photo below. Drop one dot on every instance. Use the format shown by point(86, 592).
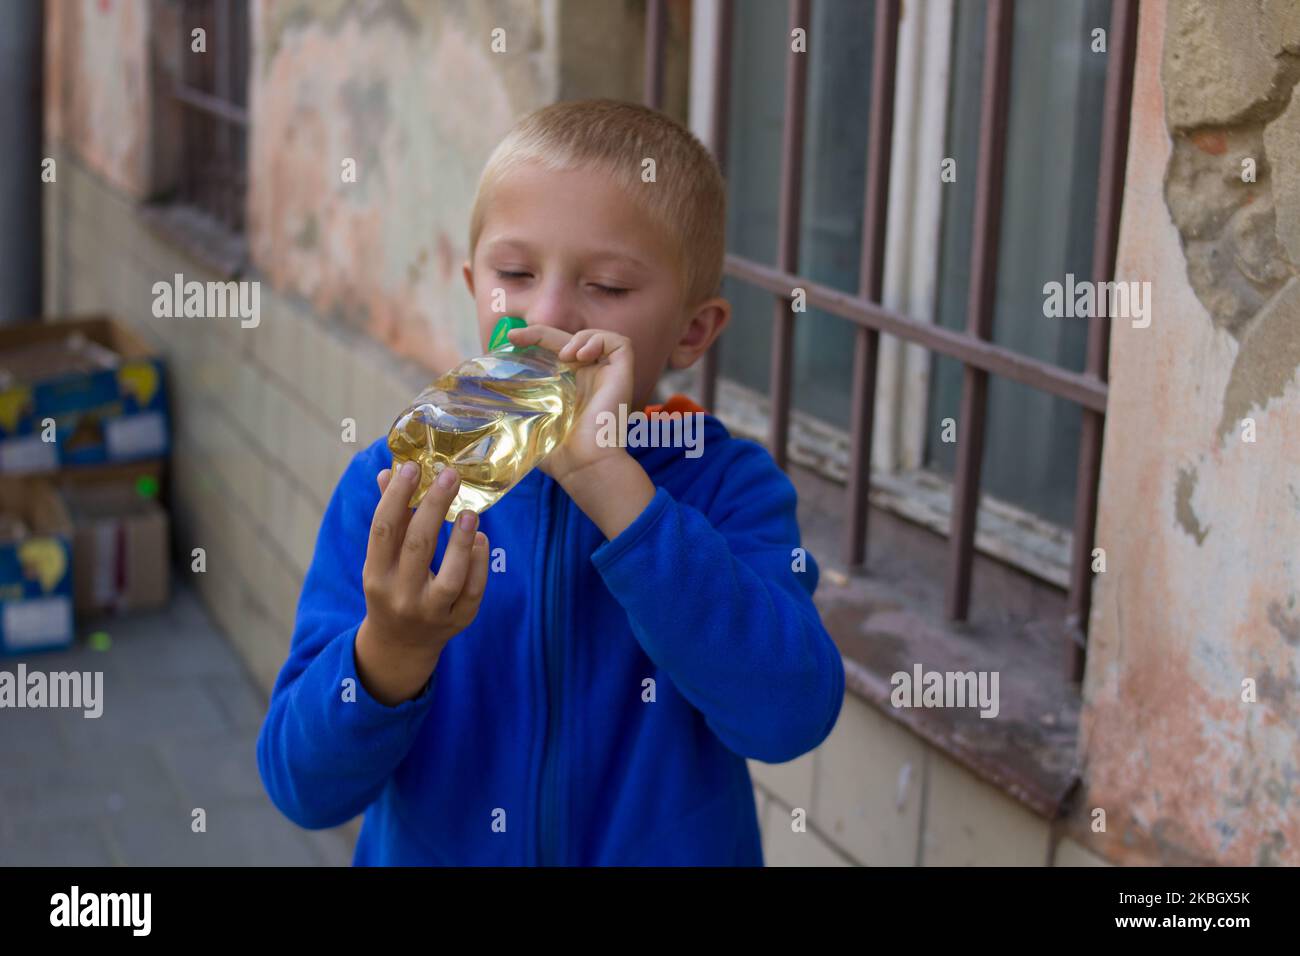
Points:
point(594, 348)
point(392, 514)
point(421, 539)
point(578, 340)
point(547, 337)
point(450, 579)
point(383, 478)
point(618, 349)
point(471, 595)
point(594, 345)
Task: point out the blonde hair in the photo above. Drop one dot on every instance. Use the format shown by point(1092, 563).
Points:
point(687, 199)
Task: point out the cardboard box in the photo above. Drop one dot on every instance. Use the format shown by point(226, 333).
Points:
point(121, 547)
point(35, 569)
point(100, 385)
point(147, 477)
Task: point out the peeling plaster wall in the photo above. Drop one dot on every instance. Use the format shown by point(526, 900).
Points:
point(1201, 528)
point(410, 89)
point(97, 86)
point(414, 93)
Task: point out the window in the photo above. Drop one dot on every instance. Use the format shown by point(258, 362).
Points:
point(924, 298)
point(211, 87)
point(1048, 218)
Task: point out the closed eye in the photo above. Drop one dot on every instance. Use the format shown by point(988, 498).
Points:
point(612, 291)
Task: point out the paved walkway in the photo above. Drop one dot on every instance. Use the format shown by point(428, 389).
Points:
point(178, 731)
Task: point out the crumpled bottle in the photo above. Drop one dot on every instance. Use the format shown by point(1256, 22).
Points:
point(492, 418)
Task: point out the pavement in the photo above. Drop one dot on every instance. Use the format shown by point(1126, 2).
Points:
point(178, 733)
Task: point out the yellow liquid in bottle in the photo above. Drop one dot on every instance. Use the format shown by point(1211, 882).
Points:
point(492, 419)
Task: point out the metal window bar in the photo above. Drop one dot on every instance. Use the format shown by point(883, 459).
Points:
point(980, 356)
point(656, 38)
point(212, 89)
point(871, 274)
point(721, 97)
point(994, 109)
point(656, 28)
point(789, 207)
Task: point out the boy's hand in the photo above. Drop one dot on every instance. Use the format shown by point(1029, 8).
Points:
point(603, 374)
point(605, 482)
point(411, 613)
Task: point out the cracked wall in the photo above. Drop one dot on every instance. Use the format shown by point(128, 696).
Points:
point(408, 93)
point(98, 85)
point(1200, 523)
point(412, 91)
point(415, 94)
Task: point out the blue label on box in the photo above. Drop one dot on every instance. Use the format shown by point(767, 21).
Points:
point(36, 594)
point(112, 415)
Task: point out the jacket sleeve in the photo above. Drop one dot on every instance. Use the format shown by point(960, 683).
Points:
point(327, 747)
point(724, 606)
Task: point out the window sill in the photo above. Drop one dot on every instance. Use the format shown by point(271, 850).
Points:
point(1002, 530)
point(891, 619)
point(212, 244)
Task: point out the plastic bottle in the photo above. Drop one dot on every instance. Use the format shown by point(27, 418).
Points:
point(492, 418)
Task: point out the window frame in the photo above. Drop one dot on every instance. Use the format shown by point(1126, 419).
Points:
point(221, 198)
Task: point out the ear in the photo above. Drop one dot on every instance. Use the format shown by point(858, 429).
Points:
point(706, 324)
point(469, 277)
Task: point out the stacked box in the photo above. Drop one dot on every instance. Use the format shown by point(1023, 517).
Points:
point(78, 393)
point(120, 547)
point(84, 433)
point(36, 596)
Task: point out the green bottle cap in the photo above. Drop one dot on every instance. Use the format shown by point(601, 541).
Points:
point(499, 338)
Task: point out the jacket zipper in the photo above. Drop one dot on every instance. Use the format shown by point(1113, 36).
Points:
point(548, 850)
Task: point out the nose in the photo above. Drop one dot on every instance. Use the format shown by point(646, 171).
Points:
point(553, 304)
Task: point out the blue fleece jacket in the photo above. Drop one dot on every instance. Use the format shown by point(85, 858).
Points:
point(540, 738)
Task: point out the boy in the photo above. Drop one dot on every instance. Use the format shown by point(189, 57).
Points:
point(644, 628)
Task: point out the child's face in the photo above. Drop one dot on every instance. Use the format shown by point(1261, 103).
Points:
point(559, 246)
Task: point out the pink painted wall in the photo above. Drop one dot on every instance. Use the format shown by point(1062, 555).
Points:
point(418, 99)
point(1202, 537)
point(414, 92)
point(98, 88)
